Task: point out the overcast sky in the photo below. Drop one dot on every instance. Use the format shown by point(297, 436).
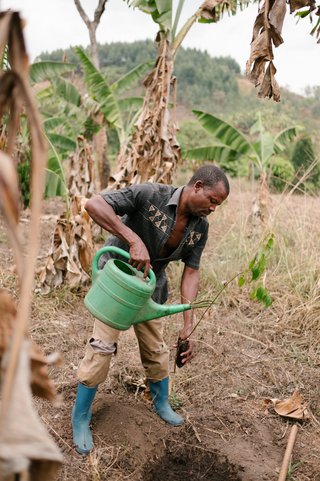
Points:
point(53, 24)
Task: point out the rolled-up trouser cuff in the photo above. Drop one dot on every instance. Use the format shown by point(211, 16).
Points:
point(94, 367)
point(154, 352)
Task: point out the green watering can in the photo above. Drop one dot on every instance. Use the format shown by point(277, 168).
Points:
point(120, 296)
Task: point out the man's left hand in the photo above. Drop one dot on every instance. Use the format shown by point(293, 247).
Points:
point(187, 355)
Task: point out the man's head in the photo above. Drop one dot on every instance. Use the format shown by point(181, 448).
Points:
point(207, 188)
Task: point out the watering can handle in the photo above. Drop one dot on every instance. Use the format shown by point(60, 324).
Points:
point(119, 251)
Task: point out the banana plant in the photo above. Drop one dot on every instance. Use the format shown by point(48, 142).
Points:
point(68, 113)
point(229, 145)
point(154, 150)
point(61, 121)
point(118, 112)
point(228, 141)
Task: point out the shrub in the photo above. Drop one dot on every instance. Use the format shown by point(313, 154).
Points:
point(282, 173)
point(302, 157)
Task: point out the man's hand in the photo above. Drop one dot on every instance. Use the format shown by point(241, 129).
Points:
point(185, 352)
point(104, 215)
point(189, 289)
point(139, 256)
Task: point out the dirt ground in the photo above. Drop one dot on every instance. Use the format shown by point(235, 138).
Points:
point(230, 434)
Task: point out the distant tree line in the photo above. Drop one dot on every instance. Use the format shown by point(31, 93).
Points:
point(215, 85)
point(200, 76)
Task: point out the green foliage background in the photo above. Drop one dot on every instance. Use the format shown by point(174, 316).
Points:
point(216, 86)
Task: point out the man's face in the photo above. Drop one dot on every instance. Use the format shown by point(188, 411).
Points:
point(204, 200)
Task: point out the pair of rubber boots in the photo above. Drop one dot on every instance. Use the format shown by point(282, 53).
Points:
point(81, 412)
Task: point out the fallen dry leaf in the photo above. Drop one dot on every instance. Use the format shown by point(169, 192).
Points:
point(293, 407)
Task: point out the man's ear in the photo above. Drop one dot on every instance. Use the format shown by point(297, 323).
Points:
point(198, 185)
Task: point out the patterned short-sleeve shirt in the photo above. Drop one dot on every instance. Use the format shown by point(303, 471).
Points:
point(150, 211)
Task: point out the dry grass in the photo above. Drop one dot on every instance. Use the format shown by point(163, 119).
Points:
point(257, 352)
point(292, 274)
point(245, 353)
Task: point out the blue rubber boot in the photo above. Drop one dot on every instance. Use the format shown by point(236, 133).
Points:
point(81, 417)
point(160, 397)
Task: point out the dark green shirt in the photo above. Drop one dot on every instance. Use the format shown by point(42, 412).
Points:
point(150, 211)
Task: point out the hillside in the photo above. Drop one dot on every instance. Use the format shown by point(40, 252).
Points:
point(213, 84)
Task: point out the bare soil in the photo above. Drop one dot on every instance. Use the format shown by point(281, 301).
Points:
point(229, 433)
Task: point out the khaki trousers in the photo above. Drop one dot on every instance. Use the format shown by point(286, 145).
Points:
point(154, 353)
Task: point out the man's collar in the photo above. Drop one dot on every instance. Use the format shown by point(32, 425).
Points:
point(174, 199)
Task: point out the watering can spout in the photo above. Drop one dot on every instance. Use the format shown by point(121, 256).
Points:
point(153, 310)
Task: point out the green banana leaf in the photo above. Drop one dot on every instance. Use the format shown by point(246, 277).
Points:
point(62, 143)
point(131, 78)
point(217, 153)
point(66, 90)
point(55, 182)
point(224, 132)
point(264, 148)
point(105, 96)
point(41, 71)
point(286, 136)
point(100, 90)
point(53, 122)
point(160, 10)
point(130, 104)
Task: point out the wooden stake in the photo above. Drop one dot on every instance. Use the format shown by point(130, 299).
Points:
point(287, 454)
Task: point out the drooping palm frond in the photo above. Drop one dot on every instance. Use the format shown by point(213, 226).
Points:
point(118, 112)
point(228, 139)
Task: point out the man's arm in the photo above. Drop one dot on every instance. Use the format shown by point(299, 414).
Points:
point(103, 214)
point(189, 291)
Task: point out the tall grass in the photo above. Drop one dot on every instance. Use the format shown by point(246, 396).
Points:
point(292, 272)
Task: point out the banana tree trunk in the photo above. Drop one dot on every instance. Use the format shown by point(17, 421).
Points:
point(100, 144)
point(261, 204)
point(154, 151)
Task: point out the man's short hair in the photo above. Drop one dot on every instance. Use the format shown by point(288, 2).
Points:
point(210, 175)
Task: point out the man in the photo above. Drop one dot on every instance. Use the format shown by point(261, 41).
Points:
point(157, 224)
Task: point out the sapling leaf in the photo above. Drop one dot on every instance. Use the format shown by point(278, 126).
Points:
point(260, 293)
point(252, 262)
point(267, 300)
point(269, 244)
point(255, 273)
point(256, 268)
point(262, 263)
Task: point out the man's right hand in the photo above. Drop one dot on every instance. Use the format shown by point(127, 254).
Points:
point(139, 257)
point(104, 215)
